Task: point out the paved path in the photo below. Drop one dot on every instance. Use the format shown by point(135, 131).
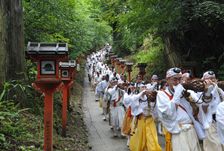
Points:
point(100, 135)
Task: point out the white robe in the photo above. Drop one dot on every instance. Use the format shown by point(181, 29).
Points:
point(220, 122)
point(117, 112)
point(206, 118)
point(176, 120)
point(100, 88)
point(168, 114)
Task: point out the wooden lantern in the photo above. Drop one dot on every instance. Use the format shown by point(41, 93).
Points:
point(67, 70)
point(47, 56)
point(129, 69)
point(142, 67)
point(122, 65)
point(118, 63)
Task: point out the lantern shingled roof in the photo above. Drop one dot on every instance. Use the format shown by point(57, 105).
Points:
point(47, 48)
point(71, 63)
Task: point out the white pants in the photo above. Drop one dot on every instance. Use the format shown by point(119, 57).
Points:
point(186, 140)
point(211, 142)
point(117, 116)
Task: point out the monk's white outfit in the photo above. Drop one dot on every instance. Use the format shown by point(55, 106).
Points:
point(211, 142)
point(116, 109)
point(220, 122)
point(176, 120)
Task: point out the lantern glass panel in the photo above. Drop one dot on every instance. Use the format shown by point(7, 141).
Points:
point(64, 73)
point(48, 67)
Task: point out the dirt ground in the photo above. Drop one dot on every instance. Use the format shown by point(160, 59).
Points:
point(76, 137)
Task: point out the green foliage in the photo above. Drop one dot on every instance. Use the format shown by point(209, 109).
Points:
point(209, 12)
point(10, 88)
point(13, 126)
point(22, 93)
point(71, 21)
point(220, 72)
point(112, 9)
point(193, 29)
point(15, 97)
point(153, 55)
point(31, 71)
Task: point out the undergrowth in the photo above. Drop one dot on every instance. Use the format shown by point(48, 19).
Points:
point(21, 116)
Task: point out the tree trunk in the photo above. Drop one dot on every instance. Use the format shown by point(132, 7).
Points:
point(174, 59)
point(3, 35)
point(11, 40)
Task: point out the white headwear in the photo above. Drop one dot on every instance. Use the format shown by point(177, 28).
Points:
point(141, 85)
point(114, 79)
point(186, 75)
point(155, 77)
point(208, 74)
point(173, 72)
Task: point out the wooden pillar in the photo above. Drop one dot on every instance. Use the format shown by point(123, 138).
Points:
point(48, 121)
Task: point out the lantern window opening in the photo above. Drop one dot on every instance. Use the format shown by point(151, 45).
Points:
point(48, 67)
point(65, 73)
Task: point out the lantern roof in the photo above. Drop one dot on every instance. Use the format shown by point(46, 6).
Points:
point(123, 60)
point(113, 56)
point(118, 59)
point(142, 65)
point(70, 63)
point(129, 63)
point(43, 48)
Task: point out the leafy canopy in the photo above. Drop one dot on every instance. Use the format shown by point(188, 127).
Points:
point(75, 22)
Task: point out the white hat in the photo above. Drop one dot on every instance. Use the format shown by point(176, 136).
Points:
point(208, 74)
point(155, 77)
point(142, 85)
point(186, 75)
point(114, 79)
point(173, 72)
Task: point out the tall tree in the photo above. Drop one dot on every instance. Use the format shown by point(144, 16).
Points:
point(11, 40)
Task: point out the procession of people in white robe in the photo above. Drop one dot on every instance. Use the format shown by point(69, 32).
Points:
point(188, 123)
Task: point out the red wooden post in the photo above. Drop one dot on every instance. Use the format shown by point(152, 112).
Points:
point(48, 88)
point(64, 107)
point(129, 76)
point(66, 88)
point(142, 67)
point(68, 100)
point(67, 75)
point(113, 57)
point(118, 63)
point(122, 66)
point(48, 120)
point(129, 69)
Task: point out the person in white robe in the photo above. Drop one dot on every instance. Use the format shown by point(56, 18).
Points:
point(127, 101)
point(220, 122)
point(207, 112)
point(97, 79)
point(174, 113)
point(116, 109)
point(100, 90)
point(153, 85)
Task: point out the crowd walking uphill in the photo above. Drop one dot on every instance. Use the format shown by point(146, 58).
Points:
point(187, 112)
